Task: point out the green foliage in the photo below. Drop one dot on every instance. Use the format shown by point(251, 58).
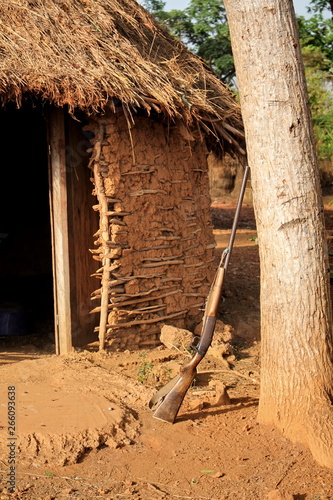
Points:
point(203, 27)
point(178, 22)
point(316, 36)
point(145, 369)
point(319, 6)
point(154, 6)
point(317, 32)
point(207, 17)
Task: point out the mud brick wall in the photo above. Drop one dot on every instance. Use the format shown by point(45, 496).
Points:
point(155, 241)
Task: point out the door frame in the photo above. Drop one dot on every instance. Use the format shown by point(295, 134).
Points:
point(73, 225)
point(59, 230)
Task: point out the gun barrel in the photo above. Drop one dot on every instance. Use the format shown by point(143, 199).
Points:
point(237, 213)
point(172, 395)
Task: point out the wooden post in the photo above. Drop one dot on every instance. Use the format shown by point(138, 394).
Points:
point(104, 227)
point(59, 226)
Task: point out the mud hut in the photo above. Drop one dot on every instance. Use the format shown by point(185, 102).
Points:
point(225, 179)
point(105, 112)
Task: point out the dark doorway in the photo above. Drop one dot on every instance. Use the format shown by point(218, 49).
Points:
point(26, 288)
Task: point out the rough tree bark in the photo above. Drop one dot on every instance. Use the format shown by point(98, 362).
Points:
point(296, 326)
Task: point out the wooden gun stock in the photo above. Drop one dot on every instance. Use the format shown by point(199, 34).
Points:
point(169, 399)
point(169, 407)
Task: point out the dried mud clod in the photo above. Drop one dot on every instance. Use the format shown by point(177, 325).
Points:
point(180, 340)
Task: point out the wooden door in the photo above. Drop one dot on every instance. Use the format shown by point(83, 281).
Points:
point(73, 224)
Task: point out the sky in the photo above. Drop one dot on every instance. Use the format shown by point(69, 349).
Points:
point(300, 6)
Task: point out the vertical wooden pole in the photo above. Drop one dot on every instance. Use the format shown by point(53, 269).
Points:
point(59, 225)
point(104, 226)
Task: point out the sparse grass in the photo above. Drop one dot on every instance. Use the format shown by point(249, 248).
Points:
point(145, 369)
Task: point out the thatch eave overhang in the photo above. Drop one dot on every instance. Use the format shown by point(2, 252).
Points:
point(84, 54)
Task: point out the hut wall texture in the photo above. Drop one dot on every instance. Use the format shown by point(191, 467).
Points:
point(222, 175)
point(158, 262)
point(225, 179)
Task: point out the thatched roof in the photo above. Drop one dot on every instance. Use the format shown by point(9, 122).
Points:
point(86, 53)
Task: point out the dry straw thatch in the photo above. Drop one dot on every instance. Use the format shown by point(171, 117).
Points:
point(86, 53)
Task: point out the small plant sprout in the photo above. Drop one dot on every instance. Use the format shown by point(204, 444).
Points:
point(145, 369)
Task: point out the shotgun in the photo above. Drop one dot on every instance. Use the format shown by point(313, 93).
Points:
point(167, 401)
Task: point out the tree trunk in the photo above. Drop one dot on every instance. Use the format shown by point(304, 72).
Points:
point(296, 327)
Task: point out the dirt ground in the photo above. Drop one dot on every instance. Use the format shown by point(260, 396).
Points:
point(85, 431)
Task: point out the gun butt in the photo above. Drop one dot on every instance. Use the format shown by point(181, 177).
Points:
point(169, 407)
